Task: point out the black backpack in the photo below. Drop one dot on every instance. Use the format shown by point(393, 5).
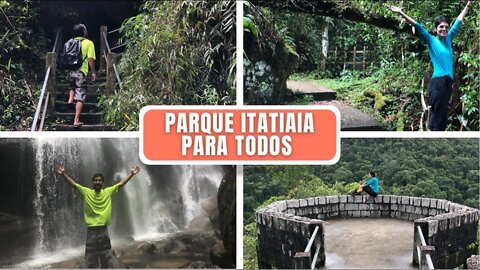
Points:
point(71, 56)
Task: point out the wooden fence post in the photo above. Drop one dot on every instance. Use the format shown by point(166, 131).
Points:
point(354, 57)
point(364, 57)
point(103, 47)
point(51, 63)
point(110, 76)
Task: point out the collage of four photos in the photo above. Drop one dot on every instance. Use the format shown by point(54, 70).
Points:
point(403, 75)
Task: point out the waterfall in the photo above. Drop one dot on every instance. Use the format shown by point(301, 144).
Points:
point(197, 185)
point(157, 201)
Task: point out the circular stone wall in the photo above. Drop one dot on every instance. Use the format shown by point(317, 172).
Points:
point(284, 227)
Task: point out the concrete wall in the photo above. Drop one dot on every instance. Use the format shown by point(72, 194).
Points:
point(284, 227)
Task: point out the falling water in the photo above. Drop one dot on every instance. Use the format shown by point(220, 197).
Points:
point(157, 201)
point(198, 183)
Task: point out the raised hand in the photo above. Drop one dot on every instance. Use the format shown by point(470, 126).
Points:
point(395, 9)
point(135, 170)
point(60, 169)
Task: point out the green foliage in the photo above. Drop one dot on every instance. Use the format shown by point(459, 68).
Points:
point(304, 100)
point(434, 168)
point(179, 52)
point(22, 55)
point(250, 246)
point(395, 62)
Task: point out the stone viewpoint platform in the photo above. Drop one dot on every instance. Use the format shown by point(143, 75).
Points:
point(444, 231)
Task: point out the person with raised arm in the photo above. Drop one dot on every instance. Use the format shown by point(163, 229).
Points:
point(441, 54)
point(97, 209)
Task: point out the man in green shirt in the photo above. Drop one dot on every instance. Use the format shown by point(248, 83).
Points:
point(78, 78)
point(97, 209)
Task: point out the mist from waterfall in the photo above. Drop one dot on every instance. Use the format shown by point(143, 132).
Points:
point(157, 201)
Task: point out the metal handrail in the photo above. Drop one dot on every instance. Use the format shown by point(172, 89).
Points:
point(42, 91)
point(309, 247)
point(310, 242)
point(40, 100)
point(113, 31)
point(314, 260)
point(117, 76)
point(428, 258)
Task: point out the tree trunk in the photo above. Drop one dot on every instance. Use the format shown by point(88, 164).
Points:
point(334, 9)
point(325, 43)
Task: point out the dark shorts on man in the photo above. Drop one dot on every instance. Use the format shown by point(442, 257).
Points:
point(439, 92)
point(98, 250)
point(370, 191)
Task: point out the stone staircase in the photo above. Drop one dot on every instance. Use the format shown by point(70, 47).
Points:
point(352, 119)
point(61, 118)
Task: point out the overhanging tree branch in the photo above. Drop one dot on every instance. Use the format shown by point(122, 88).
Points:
point(335, 9)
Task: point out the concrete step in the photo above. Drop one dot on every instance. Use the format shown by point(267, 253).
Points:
point(62, 106)
point(66, 127)
point(87, 118)
point(319, 93)
point(91, 97)
point(353, 119)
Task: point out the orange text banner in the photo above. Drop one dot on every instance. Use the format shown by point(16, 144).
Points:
point(239, 135)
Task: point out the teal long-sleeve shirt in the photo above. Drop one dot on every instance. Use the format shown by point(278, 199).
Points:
point(373, 183)
point(440, 50)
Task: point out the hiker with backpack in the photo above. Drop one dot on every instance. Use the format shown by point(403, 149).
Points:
point(77, 57)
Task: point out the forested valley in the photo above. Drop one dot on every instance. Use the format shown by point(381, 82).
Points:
point(433, 168)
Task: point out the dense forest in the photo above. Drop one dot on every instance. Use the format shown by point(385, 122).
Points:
point(433, 168)
point(22, 60)
point(176, 53)
point(384, 76)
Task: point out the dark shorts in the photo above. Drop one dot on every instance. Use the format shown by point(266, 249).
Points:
point(439, 92)
point(78, 81)
point(370, 191)
point(98, 249)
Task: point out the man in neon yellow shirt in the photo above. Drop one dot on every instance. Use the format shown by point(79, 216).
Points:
point(97, 210)
point(78, 78)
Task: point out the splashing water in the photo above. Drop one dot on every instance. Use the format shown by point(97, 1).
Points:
point(157, 201)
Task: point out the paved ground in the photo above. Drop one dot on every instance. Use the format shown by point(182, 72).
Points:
point(311, 87)
point(369, 244)
point(352, 118)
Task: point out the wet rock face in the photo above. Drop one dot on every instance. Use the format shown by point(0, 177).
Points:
point(267, 71)
point(225, 257)
point(192, 242)
point(210, 206)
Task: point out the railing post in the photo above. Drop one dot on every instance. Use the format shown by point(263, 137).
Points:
point(110, 75)
point(302, 260)
point(416, 260)
point(103, 46)
point(424, 251)
point(51, 63)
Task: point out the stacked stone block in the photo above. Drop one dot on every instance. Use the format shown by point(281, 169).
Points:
point(453, 234)
point(284, 227)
